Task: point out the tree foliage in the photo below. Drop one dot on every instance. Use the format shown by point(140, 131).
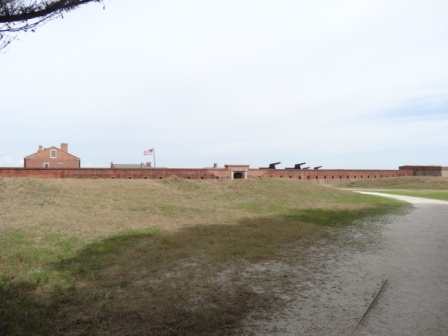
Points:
point(26, 15)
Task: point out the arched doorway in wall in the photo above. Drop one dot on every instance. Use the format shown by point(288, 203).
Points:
point(238, 175)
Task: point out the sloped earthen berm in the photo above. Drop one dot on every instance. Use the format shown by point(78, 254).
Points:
point(227, 172)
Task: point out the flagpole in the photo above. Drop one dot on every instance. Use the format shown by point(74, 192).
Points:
point(154, 150)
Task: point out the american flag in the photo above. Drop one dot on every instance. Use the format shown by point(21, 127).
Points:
point(148, 152)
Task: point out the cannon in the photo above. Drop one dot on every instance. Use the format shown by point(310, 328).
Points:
point(271, 165)
point(297, 166)
point(317, 167)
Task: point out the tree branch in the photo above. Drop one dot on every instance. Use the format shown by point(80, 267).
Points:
point(35, 10)
point(24, 15)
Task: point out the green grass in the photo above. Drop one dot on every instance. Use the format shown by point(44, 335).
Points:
point(154, 257)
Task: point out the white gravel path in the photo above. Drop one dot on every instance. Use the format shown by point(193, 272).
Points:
point(413, 200)
point(410, 251)
point(414, 258)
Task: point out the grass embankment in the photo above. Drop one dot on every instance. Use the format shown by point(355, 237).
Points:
point(128, 257)
point(425, 187)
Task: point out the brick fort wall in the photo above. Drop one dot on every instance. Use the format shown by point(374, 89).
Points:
point(228, 172)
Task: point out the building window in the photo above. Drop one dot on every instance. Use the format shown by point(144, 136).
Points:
point(53, 154)
point(46, 165)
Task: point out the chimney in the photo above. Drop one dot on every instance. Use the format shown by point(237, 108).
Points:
point(64, 147)
point(40, 149)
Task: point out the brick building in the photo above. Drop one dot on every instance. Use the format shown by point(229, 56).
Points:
point(52, 157)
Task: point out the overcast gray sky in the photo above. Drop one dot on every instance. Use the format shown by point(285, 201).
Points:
point(342, 84)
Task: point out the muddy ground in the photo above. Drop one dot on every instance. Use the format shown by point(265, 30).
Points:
point(329, 295)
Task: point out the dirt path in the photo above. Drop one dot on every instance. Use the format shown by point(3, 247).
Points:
point(331, 294)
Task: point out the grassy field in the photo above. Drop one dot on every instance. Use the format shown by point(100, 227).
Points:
point(426, 187)
point(154, 257)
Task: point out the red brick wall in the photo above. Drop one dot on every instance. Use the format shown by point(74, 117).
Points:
point(205, 173)
point(324, 174)
point(422, 168)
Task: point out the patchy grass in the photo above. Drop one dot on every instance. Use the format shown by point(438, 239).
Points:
point(165, 257)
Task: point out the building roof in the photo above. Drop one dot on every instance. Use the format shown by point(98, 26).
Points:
point(40, 150)
point(129, 165)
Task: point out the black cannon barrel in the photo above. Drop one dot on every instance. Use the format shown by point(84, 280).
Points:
point(317, 167)
point(271, 165)
point(297, 166)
